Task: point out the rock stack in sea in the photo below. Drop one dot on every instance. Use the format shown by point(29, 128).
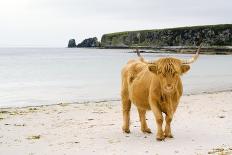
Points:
point(90, 42)
point(72, 43)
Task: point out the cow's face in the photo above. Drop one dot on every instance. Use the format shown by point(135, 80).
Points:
point(168, 70)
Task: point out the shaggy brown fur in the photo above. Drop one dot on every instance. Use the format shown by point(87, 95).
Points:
point(152, 86)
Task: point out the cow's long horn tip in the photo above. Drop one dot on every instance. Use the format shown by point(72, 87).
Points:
point(200, 45)
point(138, 53)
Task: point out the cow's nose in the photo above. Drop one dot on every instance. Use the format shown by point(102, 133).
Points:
point(169, 87)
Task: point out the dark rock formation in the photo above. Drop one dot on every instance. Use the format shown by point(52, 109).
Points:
point(72, 43)
point(210, 35)
point(90, 42)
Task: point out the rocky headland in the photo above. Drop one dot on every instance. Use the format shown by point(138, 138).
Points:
point(210, 35)
point(216, 39)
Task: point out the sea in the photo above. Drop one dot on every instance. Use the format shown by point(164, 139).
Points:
point(45, 76)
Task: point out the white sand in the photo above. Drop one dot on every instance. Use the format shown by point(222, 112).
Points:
point(201, 125)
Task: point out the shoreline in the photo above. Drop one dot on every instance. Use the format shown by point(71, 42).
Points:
point(107, 100)
point(201, 125)
point(206, 50)
point(210, 50)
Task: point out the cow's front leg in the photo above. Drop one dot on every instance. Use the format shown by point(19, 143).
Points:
point(167, 130)
point(159, 121)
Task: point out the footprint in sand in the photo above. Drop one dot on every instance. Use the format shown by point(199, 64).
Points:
point(111, 141)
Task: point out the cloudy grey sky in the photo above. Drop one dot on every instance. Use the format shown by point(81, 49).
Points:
point(51, 23)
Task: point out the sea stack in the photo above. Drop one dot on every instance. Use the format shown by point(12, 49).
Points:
point(90, 42)
point(72, 43)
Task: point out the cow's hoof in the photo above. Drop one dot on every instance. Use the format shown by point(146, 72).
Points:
point(160, 138)
point(169, 136)
point(147, 130)
point(126, 130)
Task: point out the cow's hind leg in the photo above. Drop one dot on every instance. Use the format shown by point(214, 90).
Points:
point(126, 106)
point(142, 118)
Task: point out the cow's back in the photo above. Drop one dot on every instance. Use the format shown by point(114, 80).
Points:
point(135, 83)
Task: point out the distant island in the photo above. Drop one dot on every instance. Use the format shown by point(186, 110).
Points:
point(216, 39)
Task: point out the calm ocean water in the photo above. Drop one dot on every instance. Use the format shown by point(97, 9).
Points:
point(38, 76)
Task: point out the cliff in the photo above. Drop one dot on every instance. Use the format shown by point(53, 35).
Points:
point(210, 35)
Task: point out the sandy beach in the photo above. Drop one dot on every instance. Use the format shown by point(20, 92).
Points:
point(202, 125)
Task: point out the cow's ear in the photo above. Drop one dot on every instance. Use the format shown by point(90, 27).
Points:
point(184, 68)
point(153, 68)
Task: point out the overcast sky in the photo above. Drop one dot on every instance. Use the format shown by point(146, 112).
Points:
point(51, 23)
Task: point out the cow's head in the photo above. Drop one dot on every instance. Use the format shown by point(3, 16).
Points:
point(169, 70)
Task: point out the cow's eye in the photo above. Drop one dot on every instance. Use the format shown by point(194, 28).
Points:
point(160, 73)
point(175, 74)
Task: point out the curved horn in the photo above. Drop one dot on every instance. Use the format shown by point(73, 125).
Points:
point(141, 58)
point(139, 55)
point(194, 58)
